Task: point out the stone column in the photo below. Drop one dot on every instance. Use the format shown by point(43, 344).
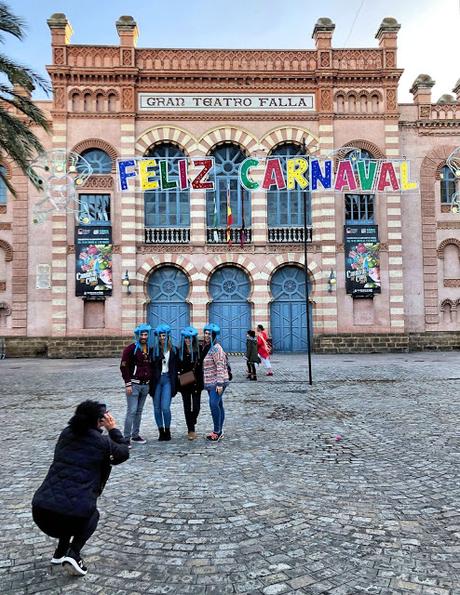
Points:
point(130, 203)
point(61, 32)
point(387, 35)
point(324, 202)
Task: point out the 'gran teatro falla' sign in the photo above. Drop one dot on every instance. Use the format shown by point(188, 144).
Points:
point(191, 102)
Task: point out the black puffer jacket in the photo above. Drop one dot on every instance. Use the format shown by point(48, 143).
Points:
point(79, 471)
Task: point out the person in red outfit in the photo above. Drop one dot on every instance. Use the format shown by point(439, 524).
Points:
point(263, 349)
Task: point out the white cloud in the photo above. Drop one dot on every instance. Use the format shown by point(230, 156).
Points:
point(429, 43)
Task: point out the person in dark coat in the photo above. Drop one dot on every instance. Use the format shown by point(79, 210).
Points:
point(252, 357)
point(190, 361)
point(64, 506)
point(164, 380)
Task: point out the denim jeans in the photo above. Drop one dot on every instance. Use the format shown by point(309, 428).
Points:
point(162, 402)
point(135, 405)
point(216, 404)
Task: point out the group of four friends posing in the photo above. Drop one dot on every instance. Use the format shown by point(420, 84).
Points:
point(65, 505)
point(152, 365)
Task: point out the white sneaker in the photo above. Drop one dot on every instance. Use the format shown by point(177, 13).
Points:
point(74, 565)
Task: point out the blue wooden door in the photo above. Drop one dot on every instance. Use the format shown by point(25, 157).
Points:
point(288, 310)
point(168, 289)
point(229, 288)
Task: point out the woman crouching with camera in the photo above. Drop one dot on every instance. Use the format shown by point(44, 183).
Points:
point(64, 506)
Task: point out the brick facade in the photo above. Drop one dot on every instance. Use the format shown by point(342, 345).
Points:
point(95, 105)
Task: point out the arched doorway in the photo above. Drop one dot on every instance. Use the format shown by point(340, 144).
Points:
point(288, 310)
point(168, 288)
point(229, 288)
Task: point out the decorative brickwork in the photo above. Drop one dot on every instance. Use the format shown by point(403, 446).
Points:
point(99, 182)
point(443, 244)
point(7, 249)
point(429, 168)
point(360, 143)
point(97, 143)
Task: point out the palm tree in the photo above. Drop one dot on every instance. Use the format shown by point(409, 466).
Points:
point(17, 141)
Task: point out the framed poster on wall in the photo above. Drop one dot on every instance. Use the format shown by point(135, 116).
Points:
point(362, 260)
point(93, 253)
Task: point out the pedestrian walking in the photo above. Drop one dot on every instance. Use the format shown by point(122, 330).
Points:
point(264, 349)
point(136, 369)
point(190, 369)
point(164, 380)
point(252, 357)
point(65, 505)
point(216, 379)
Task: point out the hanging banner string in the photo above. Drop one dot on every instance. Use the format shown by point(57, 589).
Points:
point(278, 173)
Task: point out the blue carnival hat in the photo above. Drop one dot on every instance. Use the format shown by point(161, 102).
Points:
point(161, 329)
point(192, 333)
point(143, 328)
point(214, 329)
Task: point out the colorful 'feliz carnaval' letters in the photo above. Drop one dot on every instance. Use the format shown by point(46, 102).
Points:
point(273, 173)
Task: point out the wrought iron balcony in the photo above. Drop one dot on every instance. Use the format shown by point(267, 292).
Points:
point(167, 235)
point(289, 235)
point(218, 235)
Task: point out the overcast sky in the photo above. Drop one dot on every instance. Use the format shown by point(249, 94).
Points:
point(429, 38)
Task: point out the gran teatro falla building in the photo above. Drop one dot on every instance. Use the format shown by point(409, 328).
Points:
point(383, 266)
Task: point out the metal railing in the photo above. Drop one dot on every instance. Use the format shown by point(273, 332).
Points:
point(217, 235)
point(167, 235)
point(289, 234)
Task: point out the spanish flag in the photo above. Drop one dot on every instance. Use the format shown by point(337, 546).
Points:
point(229, 217)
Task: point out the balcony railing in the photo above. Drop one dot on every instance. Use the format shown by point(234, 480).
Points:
point(217, 235)
point(289, 235)
point(167, 235)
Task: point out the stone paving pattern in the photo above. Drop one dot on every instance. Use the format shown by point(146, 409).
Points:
point(279, 506)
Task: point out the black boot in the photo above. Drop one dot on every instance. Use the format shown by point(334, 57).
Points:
point(161, 437)
point(167, 434)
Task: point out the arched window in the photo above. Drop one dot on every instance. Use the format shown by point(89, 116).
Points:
point(75, 102)
point(99, 102)
point(340, 104)
point(3, 188)
point(87, 102)
point(351, 103)
point(375, 101)
point(168, 208)
point(227, 161)
point(112, 102)
point(447, 185)
point(286, 208)
point(359, 208)
point(99, 160)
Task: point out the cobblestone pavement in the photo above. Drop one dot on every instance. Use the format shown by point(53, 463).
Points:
point(279, 506)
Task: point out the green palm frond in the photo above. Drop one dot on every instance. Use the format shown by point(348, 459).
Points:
point(22, 75)
point(17, 141)
point(10, 23)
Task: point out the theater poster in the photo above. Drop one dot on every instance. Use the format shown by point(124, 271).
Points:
point(93, 252)
point(362, 260)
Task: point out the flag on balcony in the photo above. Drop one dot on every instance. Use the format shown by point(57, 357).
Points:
point(243, 227)
point(215, 234)
point(229, 217)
